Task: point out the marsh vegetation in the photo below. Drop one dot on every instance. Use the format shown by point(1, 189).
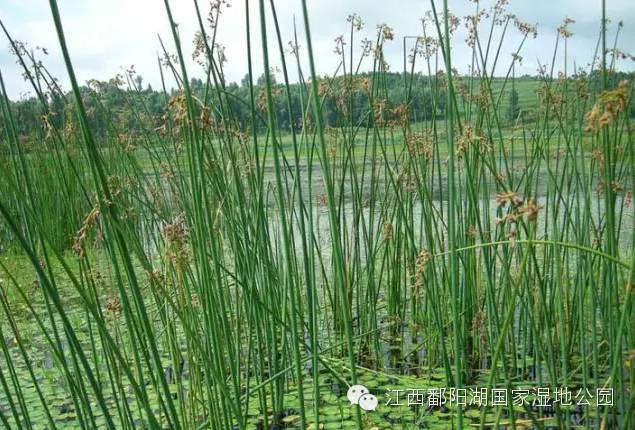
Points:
point(224, 256)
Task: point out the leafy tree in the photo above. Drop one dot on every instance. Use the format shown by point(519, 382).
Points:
point(513, 108)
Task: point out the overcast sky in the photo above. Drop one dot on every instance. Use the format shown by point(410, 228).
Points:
point(107, 36)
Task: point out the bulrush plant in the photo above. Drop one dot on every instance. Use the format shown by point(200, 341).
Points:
point(222, 257)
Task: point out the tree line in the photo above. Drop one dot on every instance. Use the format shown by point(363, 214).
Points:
point(126, 104)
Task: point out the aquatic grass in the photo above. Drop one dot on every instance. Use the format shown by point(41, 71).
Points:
point(224, 270)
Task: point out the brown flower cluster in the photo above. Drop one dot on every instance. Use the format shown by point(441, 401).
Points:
point(216, 7)
point(200, 47)
point(526, 29)
point(426, 47)
point(563, 30)
point(367, 47)
point(549, 97)
point(386, 116)
point(401, 115)
point(262, 97)
point(89, 222)
point(379, 112)
point(387, 31)
point(471, 24)
point(127, 142)
point(387, 231)
point(113, 307)
point(176, 237)
point(423, 258)
point(356, 21)
point(508, 197)
point(178, 107)
point(419, 145)
point(529, 211)
point(468, 138)
point(621, 54)
point(607, 107)
point(339, 45)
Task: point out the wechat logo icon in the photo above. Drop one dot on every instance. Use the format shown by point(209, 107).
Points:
point(360, 395)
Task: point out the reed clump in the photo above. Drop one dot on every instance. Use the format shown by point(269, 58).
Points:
point(228, 256)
